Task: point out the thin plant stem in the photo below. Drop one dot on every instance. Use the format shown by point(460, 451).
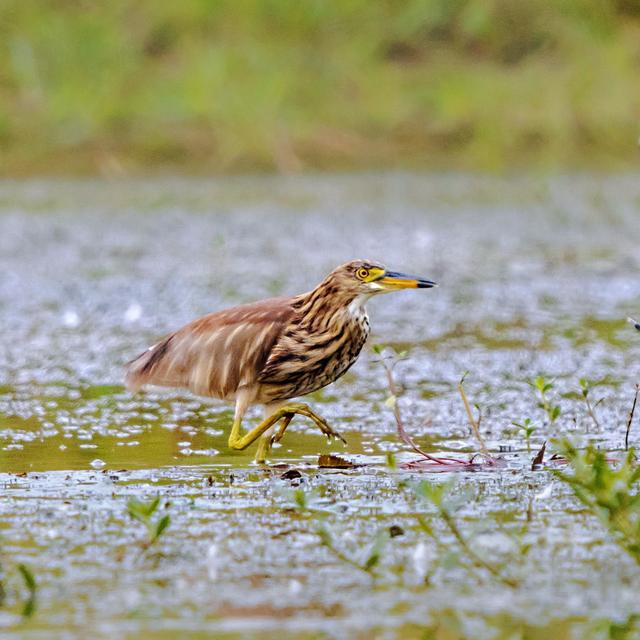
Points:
point(403, 435)
point(633, 410)
point(474, 424)
point(475, 558)
point(591, 413)
point(328, 544)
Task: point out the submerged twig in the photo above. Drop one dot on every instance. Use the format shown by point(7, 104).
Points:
point(633, 410)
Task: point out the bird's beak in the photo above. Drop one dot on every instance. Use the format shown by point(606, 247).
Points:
point(393, 280)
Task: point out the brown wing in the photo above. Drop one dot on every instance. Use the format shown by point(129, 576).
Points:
point(216, 354)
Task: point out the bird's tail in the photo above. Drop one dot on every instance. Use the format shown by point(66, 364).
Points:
point(140, 370)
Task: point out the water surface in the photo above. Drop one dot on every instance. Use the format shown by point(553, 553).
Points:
point(537, 277)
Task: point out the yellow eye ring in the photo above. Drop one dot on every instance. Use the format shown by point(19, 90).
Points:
point(362, 273)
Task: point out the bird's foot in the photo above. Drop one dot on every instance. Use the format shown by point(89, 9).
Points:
point(305, 410)
point(329, 431)
point(264, 446)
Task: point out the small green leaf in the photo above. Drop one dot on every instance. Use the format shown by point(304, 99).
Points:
point(451, 560)
point(300, 499)
point(391, 460)
point(325, 536)
point(435, 493)
point(142, 510)
point(30, 582)
point(425, 526)
point(27, 576)
point(375, 554)
point(152, 506)
point(390, 402)
point(371, 561)
point(161, 526)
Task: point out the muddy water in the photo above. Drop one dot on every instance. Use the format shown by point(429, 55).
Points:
point(537, 277)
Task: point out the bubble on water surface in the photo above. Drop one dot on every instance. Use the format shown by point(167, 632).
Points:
point(70, 319)
point(133, 313)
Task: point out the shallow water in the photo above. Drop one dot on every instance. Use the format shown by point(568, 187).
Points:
point(537, 277)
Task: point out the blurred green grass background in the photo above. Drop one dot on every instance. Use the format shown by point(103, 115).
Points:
point(201, 86)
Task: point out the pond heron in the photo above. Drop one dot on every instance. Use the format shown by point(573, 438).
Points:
point(270, 351)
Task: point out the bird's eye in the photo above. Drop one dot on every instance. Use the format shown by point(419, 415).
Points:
point(362, 273)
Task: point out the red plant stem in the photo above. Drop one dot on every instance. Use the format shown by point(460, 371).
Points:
point(402, 434)
point(633, 410)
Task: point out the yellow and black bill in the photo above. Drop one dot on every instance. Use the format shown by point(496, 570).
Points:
point(397, 280)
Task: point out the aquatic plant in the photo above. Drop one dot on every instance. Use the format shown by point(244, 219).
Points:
point(528, 429)
point(389, 362)
point(29, 607)
point(372, 557)
point(585, 390)
point(143, 512)
point(543, 388)
point(304, 503)
point(585, 395)
point(439, 496)
point(474, 422)
point(609, 490)
point(309, 503)
point(300, 500)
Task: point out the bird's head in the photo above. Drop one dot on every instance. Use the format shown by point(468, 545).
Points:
point(364, 277)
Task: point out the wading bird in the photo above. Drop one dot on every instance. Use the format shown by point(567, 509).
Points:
point(270, 351)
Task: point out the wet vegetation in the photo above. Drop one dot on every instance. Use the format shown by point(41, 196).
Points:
point(137, 86)
point(143, 512)
point(609, 490)
point(489, 487)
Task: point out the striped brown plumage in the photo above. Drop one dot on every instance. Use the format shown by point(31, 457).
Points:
point(282, 348)
point(270, 351)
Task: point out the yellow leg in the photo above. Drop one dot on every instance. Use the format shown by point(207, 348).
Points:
point(240, 441)
point(264, 444)
point(282, 428)
point(270, 436)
